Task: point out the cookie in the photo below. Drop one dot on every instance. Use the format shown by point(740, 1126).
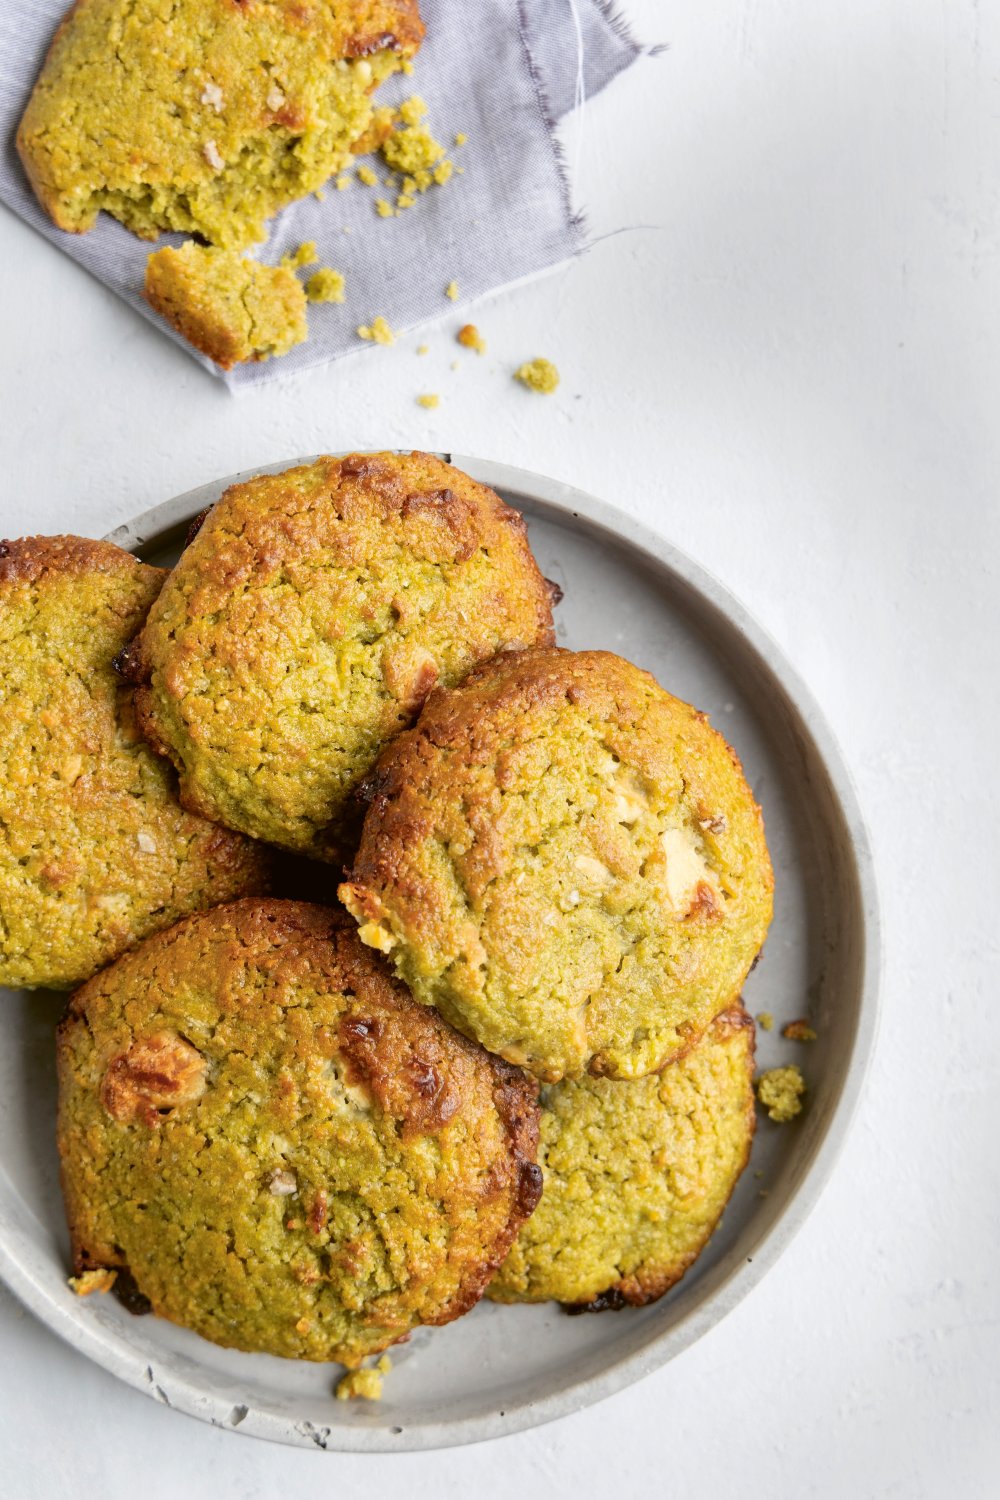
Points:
point(567, 862)
point(95, 850)
point(285, 1152)
point(635, 1176)
point(307, 621)
point(206, 116)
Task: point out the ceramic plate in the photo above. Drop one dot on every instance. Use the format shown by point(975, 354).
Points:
point(502, 1369)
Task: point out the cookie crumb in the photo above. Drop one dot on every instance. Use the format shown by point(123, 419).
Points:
point(365, 1385)
point(538, 375)
point(799, 1031)
point(368, 176)
point(305, 255)
point(412, 149)
point(423, 349)
point(451, 291)
point(412, 110)
point(780, 1091)
point(325, 285)
point(378, 332)
point(461, 138)
point(429, 401)
point(384, 208)
point(470, 338)
point(93, 1281)
point(765, 1020)
point(342, 184)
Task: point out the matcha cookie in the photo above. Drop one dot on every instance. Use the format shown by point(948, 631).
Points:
point(286, 1152)
point(207, 116)
point(307, 621)
point(567, 862)
point(95, 850)
point(635, 1176)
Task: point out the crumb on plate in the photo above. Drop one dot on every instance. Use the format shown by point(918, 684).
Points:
point(365, 1385)
point(780, 1091)
point(799, 1031)
point(93, 1281)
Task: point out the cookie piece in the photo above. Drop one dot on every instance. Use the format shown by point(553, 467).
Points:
point(635, 1176)
point(95, 850)
point(568, 862)
point(206, 116)
point(307, 621)
point(231, 308)
point(286, 1152)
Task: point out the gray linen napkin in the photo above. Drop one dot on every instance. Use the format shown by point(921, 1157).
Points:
point(501, 72)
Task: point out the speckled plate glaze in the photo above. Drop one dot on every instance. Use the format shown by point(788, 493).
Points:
point(500, 1370)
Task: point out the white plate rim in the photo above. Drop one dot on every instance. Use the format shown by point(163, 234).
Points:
point(184, 1395)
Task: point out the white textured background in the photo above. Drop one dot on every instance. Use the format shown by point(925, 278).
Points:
point(793, 371)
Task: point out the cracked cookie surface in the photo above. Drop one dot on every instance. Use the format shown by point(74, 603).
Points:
point(286, 1152)
point(305, 624)
point(635, 1176)
point(567, 862)
point(206, 116)
point(95, 850)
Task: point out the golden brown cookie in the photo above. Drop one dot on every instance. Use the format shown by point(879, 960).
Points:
point(307, 621)
point(228, 306)
point(635, 1175)
point(206, 116)
point(285, 1151)
point(95, 850)
point(567, 862)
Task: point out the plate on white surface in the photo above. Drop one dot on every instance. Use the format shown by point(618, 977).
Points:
point(501, 1369)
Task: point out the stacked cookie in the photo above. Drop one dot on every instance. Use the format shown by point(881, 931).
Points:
point(522, 1067)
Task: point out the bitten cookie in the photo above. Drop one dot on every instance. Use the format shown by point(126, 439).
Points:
point(206, 116)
